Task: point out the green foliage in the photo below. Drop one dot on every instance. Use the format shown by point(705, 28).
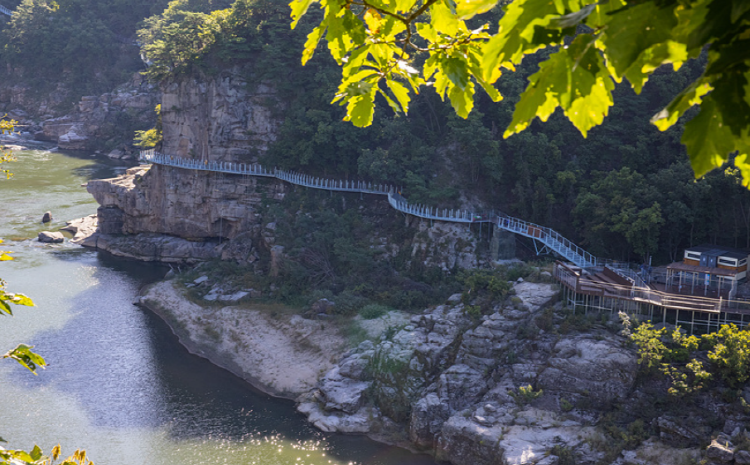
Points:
point(565, 455)
point(525, 394)
point(26, 357)
point(728, 351)
point(37, 457)
point(651, 349)
point(477, 281)
point(386, 49)
point(152, 137)
point(82, 46)
point(373, 311)
point(730, 354)
point(680, 380)
point(565, 405)
point(192, 35)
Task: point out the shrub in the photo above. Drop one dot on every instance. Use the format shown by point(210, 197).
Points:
point(372, 311)
point(525, 394)
point(730, 354)
point(348, 303)
point(565, 405)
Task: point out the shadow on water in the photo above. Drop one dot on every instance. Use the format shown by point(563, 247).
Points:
point(127, 370)
point(101, 167)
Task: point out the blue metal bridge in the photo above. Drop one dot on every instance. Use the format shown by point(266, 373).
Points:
point(6, 11)
point(548, 239)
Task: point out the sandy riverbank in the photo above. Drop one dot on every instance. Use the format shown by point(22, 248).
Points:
point(279, 353)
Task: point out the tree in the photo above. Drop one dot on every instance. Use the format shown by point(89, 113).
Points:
point(385, 45)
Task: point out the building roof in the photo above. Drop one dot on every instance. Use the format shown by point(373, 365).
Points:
point(718, 250)
point(679, 266)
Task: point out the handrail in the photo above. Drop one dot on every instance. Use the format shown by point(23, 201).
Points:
point(549, 237)
point(571, 279)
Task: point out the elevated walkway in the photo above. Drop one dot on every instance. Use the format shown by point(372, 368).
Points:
point(6, 11)
point(546, 239)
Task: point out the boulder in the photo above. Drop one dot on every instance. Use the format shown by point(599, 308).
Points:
point(603, 370)
point(47, 217)
point(342, 394)
point(51, 237)
point(678, 432)
point(240, 249)
point(427, 417)
point(742, 457)
point(81, 228)
point(720, 452)
point(330, 422)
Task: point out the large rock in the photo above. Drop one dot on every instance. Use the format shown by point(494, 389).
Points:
point(427, 417)
point(81, 228)
point(602, 370)
point(155, 247)
point(222, 117)
point(720, 452)
point(342, 393)
point(742, 457)
point(680, 432)
point(188, 204)
point(50, 237)
point(240, 249)
point(98, 119)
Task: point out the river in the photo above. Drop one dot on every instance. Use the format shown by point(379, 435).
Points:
point(118, 383)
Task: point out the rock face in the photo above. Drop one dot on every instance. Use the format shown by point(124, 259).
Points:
point(81, 228)
point(110, 117)
point(189, 204)
point(223, 118)
point(282, 355)
point(479, 393)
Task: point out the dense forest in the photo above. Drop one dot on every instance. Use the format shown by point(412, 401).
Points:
point(625, 192)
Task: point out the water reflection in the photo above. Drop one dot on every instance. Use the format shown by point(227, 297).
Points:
point(119, 384)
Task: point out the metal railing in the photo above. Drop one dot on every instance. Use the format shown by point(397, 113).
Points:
point(572, 279)
point(548, 237)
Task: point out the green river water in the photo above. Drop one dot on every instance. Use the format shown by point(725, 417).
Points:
point(118, 382)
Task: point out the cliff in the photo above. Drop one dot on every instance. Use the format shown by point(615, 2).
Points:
point(223, 118)
point(96, 122)
point(172, 214)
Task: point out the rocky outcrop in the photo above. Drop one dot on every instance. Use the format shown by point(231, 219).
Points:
point(283, 355)
point(50, 237)
point(222, 118)
point(480, 393)
point(81, 228)
point(196, 205)
point(445, 245)
point(155, 247)
point(107, 119)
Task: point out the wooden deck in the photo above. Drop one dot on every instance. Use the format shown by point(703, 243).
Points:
point(607, 284)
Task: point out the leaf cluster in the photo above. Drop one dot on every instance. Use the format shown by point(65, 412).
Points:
point(678, 356)
point(385, 45)
point(36, 457)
